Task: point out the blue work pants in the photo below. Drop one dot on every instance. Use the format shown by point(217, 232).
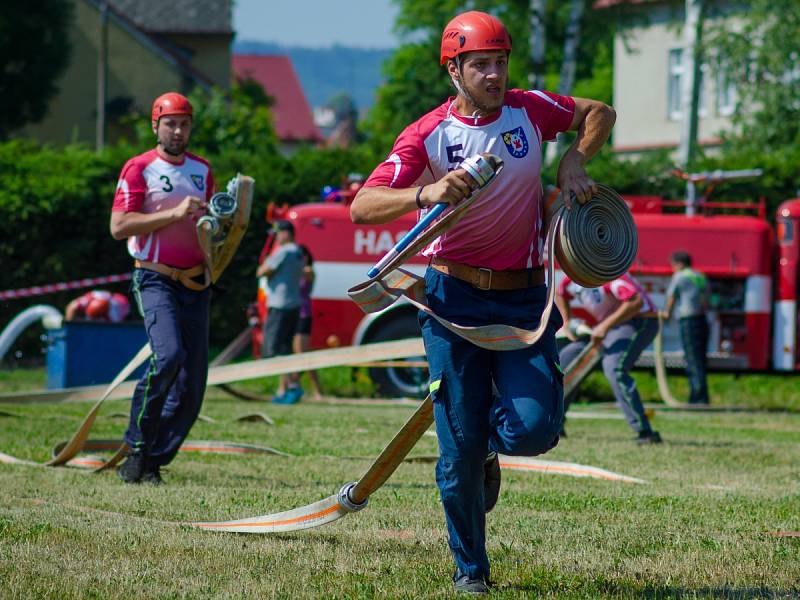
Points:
point(694, 336)
point(622, 347)
point(523, 418)
point(167, 399)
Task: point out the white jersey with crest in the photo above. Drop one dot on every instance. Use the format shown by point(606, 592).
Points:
point(149, 184)
point(503, 229)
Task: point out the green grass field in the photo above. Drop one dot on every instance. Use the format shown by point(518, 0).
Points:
point(703, 526)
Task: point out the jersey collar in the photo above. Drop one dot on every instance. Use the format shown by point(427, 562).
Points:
point(468, 120)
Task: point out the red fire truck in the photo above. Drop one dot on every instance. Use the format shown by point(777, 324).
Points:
point(752, 269)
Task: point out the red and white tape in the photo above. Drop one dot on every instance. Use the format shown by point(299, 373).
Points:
point(41, 290)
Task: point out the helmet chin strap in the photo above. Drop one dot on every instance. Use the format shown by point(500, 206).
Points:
point(478, 112)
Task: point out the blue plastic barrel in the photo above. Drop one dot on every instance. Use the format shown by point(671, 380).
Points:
point(88, 353)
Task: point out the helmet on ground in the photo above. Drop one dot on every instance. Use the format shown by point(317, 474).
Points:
point(171, 103)
point(473, 30)
point(97, 308)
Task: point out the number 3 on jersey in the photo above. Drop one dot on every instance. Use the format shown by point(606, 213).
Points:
point(167, 185)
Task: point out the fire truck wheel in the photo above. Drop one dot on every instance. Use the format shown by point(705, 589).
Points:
point(398, 381)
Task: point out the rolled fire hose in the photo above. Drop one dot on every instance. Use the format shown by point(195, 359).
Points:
point(610, 233)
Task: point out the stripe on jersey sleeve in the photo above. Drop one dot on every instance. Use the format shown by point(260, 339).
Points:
point(131, 187)
point(409, 157)
point(550, 113)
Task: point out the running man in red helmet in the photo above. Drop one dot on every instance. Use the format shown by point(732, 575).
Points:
point(160, 195)
point(487, 269)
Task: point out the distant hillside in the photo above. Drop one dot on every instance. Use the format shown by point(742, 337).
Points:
point(325, 72)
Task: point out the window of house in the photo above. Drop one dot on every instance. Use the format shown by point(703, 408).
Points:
point(674, 84)
point(726, 94)
point(676, 73)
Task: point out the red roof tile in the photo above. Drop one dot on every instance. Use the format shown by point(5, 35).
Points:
point(293, 118)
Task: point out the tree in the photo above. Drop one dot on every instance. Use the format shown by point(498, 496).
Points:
point(537, 42)
point(34, 52)
point(761, 59)
point(757, 53)
point(345, 118)
point(690, 85)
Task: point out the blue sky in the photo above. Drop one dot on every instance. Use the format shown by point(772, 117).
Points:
point(316, 23)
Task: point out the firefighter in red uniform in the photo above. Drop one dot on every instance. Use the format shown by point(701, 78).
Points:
point(502, 235)
point(159, 197)
point(622, 314)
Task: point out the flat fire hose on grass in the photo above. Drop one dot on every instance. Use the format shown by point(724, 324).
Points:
point(306, 361)
point(661, 370)
point(588, 240)
point(231, 351)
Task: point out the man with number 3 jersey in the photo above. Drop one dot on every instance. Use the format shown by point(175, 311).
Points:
point(160, 196)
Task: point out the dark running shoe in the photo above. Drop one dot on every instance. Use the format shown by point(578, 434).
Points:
point(491, 481)
point(648, 437)
point(152, 475)
point(465, 585)
point(132, 469)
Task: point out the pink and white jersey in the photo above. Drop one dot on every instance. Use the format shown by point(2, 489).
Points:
point(149, 184)
point(503, 229)
point(600, 302)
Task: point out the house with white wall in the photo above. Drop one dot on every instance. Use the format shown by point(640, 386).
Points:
point(648, 73)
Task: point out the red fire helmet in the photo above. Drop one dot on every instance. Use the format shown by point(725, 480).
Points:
point(171, 103)
point(473, 30)
point(97, 308)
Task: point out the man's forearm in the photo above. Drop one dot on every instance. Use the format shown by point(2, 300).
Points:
point(592, 133)
point(625, 312)
point(381, 204)
point(125, 225)
point(264, 271)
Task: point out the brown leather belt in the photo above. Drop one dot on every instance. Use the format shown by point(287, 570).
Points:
point(183, 275)
point(487, 279)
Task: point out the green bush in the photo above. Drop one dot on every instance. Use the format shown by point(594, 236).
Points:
point(54, 210)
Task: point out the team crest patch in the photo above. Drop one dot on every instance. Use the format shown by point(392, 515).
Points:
point(516, 142)
point(198, 182)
